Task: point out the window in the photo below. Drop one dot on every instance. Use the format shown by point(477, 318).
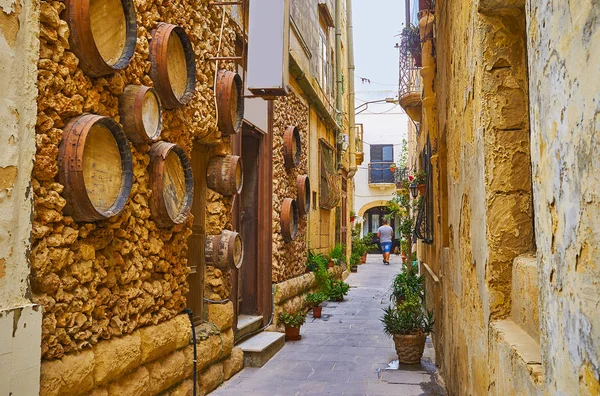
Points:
point(323, 59)
point(329, 185)
point(382, 153)
point(382, 156)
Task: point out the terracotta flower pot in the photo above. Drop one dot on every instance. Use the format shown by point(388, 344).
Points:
point(404, 257)
point(331, 264)
point(292, 333)
point(363, 259)
point(421, 188)
point(317, 312)
point(351, 219)
point(410, 348)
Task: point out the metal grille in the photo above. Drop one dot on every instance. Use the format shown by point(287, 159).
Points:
point(409, 79)
point(380, 173)
point(424, 225)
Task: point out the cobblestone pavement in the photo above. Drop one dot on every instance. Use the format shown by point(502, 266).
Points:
point(341, 353)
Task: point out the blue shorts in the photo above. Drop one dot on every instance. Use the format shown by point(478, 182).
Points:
point(386, 247)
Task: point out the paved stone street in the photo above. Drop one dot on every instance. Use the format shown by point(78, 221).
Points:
point(342, 353)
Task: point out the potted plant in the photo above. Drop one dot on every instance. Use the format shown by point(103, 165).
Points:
point(405, 283)
point(409, 325)
point(352, 216)
point(292, 322)
point(314, 300)
point(354, 261)
point(420, 179)
point(337, 290)
point(393, 168)
point(337, 255)
point(410, 42)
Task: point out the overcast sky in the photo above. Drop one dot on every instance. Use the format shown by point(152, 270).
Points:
point(377, 24)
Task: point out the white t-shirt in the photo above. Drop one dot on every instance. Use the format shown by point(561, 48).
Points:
point(385, 233)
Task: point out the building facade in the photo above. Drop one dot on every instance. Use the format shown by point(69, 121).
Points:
point(507, 222)
point(114, 305)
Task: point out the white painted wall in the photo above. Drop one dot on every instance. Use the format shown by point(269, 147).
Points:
point(377, 129)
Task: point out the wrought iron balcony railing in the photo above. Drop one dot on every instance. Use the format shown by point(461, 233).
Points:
point(380, 173)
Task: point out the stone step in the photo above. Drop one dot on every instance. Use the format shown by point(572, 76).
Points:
point(259, 349)
point(247, 324)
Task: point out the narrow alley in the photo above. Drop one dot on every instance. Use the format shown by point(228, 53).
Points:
point(345, 352)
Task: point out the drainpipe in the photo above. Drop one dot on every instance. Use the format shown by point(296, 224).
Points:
point(338, 76)
point(351, 106)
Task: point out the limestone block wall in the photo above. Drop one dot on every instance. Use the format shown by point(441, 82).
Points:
point(288, 257)
point(563, 40)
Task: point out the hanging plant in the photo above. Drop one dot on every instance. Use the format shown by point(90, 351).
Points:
point(410, 42)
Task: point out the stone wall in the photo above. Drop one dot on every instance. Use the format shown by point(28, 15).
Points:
point(20, 320)
point(511, 295)
point(563, 39)
point(152, 360)
point(104, 279)
point(288, 257)
point(112, 290)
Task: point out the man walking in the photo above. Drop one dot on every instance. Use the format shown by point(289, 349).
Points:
point(385, 233)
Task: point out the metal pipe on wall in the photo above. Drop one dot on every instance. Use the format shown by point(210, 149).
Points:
point(338, 80)
point(351, 67)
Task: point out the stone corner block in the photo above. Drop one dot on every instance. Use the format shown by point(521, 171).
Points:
point(221, 315)
point(71, 375)
point(162, 339)
point(116, 357)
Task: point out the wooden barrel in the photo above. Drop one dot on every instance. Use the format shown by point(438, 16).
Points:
point(139, 108)
point(230, 102)
point(292, 147)
point(103, 34)
point(225, 175)
point(303, 198)
point(172, 184)
point(225, 251)
point(95, 167)
point(289, 219)
point(172, 65)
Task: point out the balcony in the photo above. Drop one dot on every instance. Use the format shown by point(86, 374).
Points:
point(381, 175)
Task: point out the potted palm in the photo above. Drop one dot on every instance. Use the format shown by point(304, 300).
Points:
point(409, 325)
point(314, 300)
point(292, 322)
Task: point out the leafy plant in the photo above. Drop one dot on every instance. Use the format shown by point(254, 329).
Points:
point(408, 318)
point(410, 40)
point(314, 299)
point(406, 283)
point(355, 258)
point(338, 255)
point(313, 261)
point(337, 290)
point(292, 319)
point(420, 177)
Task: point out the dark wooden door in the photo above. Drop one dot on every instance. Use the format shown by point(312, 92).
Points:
point(247, 282)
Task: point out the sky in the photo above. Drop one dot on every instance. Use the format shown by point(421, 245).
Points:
point(376, 23)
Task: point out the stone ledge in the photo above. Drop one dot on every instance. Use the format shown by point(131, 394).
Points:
point(524, 348)
point(524, 295)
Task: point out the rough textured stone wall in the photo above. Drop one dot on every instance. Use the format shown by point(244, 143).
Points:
point(563, 39)
point(288, 257)
point(481, 177)
point(98, 280)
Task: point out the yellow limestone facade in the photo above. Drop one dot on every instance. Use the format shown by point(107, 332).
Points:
point(510, 109)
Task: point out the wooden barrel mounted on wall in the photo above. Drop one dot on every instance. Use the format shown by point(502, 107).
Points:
point(289, 219)
point(292, 147)
point(230, 102)
point(103, 34)
point(225, 251)
point(95, 167)
point(303, 199)
point(139, 108)
point(172, 184)
point(172, 65)
point(225, 175)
